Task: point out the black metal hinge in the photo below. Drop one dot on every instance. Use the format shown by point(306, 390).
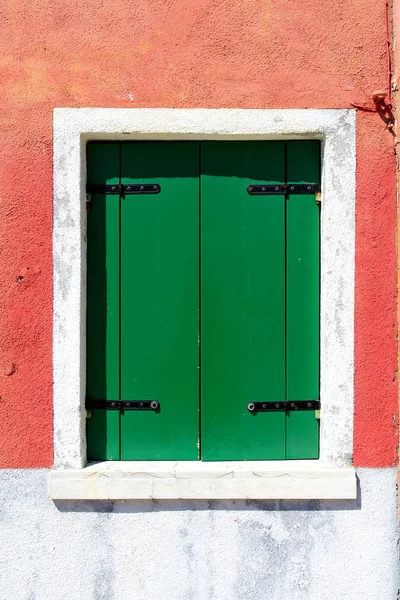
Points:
point(123, 405)
point(273, 406)
point(124, 189)
point(289, 188)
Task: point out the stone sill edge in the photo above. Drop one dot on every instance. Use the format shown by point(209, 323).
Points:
point(186, 480)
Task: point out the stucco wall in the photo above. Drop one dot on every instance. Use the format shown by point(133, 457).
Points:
point(211, 53)
point(197, 550)
point(180, 53)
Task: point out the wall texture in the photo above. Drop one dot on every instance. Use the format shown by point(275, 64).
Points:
point(211, 53)
point(180, 53)
point(197, 550)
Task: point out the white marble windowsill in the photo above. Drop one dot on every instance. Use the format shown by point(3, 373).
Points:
point(166, 480)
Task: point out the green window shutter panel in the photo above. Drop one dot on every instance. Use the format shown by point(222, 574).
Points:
point(242, 300)
point(103, 316)
point(203, 279)
point(160, 301)
point(302, 299)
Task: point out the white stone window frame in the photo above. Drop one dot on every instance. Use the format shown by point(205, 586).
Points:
point(332, 475)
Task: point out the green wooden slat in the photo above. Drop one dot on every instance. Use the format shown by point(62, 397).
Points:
point(103, 302)
point(160, 301)
point(103, 435)
point(302, 435)
point(242, 301)
point(303, 289)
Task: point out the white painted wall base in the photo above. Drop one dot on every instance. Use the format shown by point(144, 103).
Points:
point(197, 550)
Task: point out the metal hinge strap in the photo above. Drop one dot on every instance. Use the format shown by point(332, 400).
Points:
point(294, 405)
point(286, 188)
point(123, 405)
point(124, 189)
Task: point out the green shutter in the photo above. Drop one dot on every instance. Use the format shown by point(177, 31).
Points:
point(242, 300)
point(160, 301)
point(103, 325)
point(302, 299)
point(255, 266)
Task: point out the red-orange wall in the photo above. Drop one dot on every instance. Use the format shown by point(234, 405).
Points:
point(180, 53)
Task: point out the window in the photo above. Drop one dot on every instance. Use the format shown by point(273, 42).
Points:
point(203, 295)
point(329, 476)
